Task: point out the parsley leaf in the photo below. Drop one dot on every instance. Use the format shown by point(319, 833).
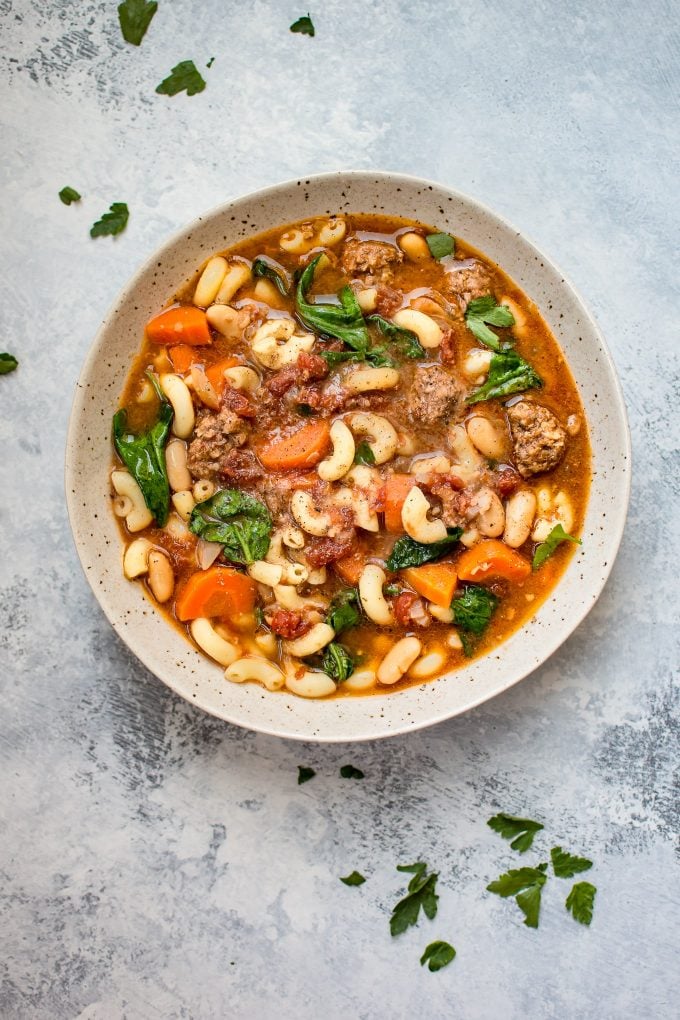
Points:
point(144, 457)
point(566, 865)
point(264, 268)
point(526, 885)
point(343, 611)
point(305, 774)
point(135, 17)
point(349, 772)
point(405, 340)
point(406, 552)
point(440, 245)
point(8, 363)
point(184, 76)
point(437, 955)
point(474, 609)
point(337, 663)
point(421, 893)
point(580, 902)
point(364, 454)
point(68, 195)
point(520, 830)
point(508, 374)
point(303, 25)
point(354, 879)
point(236, 519)
point(547, 548)
point(112, 222)
point(484, 310)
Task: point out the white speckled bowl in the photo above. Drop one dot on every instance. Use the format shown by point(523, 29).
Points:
point(160, 647)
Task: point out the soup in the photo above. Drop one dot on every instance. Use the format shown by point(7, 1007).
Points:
point(350, 457)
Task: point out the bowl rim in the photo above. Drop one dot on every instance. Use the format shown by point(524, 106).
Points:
point(439, 715)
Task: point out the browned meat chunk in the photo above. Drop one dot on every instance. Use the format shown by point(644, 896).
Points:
point(455, 502)
point(538, 438)
point(368, 256)
point(289, 623)
point(242, 467)
point(435, 395)
point(506, 481)
point(467, 279)
point(388, 300)
point(307, 368)
point(216, 435)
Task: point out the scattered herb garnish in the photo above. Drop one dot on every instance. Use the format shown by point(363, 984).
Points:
point(8, 363)
point(303, 25)
point(263, 268)
point(566, 865)
point(526, 885)
point(405, 340)
point(349, 772)
point(112, 222)
point(305, 774)
point(580, 902)
point(184, 76)
point(144, 456)
point(354, 879)
point(406, 552)
point(484, 310)
point(68, 195)
point(508, 374)
point(547, 548)
point(392, 589)
point(236, 519)
point(364, 454)
point(337, 662)
point(440, 245)
point(344, 610)
point(210, 63)
point(520, 830)
point(421, 894)
point(437, 955)
point(135, 17)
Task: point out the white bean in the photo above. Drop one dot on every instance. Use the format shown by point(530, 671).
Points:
point(225, 319)
point(210, 281)
point(426, 329)
point(427, 665)
point(176, 465)
point(442, 613)
point(161, 576)
point(398, 660)
point(184, 503)
point(414, 247)
point(519, 516)
point(235, 277)
point(491, 521)
point(265, 291)
point(360, 680)
point(373, 601)
point(476, 363)
point(486, 437)
point(368, 299)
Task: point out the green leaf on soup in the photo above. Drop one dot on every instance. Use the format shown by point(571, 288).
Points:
point(184, 77)
point(364, 454)
point(484, 310)
point(405, 340)
point(263, 268)
point(508, 374)
point(548, 547)
point(337, 663)
point(474, 608)
point(112, 222)
point(440, 245)
point(144, 457)
point(241, 523)
point(406, 552)
point(344, 611)
point(135, 17)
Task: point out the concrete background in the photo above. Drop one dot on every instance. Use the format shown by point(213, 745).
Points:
point(157, 863)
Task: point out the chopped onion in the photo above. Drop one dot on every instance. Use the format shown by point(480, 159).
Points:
point(203, 388)
point(207, 553)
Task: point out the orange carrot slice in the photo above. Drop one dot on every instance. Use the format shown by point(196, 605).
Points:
point(492, 558)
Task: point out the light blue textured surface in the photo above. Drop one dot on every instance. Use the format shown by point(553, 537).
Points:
point(158, 863)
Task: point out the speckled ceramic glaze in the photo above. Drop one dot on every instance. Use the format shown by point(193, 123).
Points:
point(160, 647)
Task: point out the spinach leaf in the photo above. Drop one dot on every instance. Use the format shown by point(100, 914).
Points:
point(405, 339)
point(344, 611)
point(484, 310)
point(508, 374)
point(239, 521)
point(263, 268)
point(364, 454)
point(344, 320)
point(547, 548)
point(68, 195)
point(144, 457)
point(374, 355)
point(337, 662)
point(406, 552)
point(8, 363)
point(440, 245)
point(474, 609)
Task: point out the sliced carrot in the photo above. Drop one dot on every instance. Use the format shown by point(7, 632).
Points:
point(182, 324)
point(397, 488)
point(492, 558)
point(303, 448)
point(182, 357)
point(436, 582)
point(218, 591)
point(215, 373)
point(349, 568)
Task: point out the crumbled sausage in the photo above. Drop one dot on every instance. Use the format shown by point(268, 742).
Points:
point(289, 623)
point(322, 551)
point(401, 607)
point(506, 481)
point(538, 438)
point(237, 402)
point(309, 367)
point(435, 395)
point(388, 300)
point(242, 466)
point(368, 256)
point(215, 436)
point(455, 502)
point(467, 279)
